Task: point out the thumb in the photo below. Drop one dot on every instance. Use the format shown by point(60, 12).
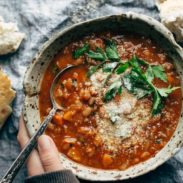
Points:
point(48, 154)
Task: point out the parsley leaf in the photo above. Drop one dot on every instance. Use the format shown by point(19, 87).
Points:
point(95, 55)
point(98, 55)
point(164, 92)
point(149, 74)
point(114, 88)
point(135, 85)
point(109, 67)
point(159, 72)
point(157, 103)
point(111, 50)
point(80, 51)
point(122, 68)
point(94, 69)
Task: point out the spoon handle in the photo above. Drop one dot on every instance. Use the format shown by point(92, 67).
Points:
point(13, 170)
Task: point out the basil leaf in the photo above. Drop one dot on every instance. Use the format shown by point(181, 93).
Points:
point(113, 89)
point(111, 50)
point(80, 51)
point(122, 68)
point(159, 72)
point(109, 67)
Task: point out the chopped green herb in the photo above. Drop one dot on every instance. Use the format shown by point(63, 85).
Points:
point(114, 88)
point(111, 50)
point(157, 103)
point(122, 68)
point(159, 72)
point(81, 51)
point(164, 92)
point(93, 69)
point(155, 71)
point(108, 67)
point(99, 54)
point(149, 74)
point(99, 50)
point(96, 55)
point(134, 84)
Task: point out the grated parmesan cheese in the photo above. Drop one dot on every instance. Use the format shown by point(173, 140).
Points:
point(120, 122)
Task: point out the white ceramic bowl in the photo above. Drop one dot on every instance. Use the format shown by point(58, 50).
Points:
point(130, 22)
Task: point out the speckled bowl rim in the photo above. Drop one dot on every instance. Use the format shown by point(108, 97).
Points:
point(89, 173)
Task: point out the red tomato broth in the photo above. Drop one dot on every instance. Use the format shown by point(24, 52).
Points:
point(85, 149)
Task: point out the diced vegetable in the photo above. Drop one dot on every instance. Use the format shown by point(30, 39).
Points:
point(74, 154)
point(57, 119)
point(107, 160)
point(87, 111)
point(68, 115)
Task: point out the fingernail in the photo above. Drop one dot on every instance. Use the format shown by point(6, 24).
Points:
point(44, 143)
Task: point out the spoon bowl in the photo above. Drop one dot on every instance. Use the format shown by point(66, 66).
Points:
point(55, 81)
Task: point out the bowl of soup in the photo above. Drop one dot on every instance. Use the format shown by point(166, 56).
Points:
point(122, 104)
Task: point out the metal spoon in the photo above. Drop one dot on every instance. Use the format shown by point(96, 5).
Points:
point(19, 161)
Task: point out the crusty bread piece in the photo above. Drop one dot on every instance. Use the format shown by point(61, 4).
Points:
point(171, 14)
point(6, 97)
point(10, 37)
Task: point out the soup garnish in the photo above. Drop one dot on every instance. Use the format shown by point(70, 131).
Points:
point(137, 82)
point(121, 105)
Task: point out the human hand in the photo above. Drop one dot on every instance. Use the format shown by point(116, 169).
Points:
point(45, 159)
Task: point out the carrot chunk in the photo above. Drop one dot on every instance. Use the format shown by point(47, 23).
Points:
point(107, 160)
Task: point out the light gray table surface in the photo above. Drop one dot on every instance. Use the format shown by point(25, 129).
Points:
point(39, 19)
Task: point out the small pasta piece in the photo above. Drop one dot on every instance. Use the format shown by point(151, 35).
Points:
point(68, 142)
point(86, 130)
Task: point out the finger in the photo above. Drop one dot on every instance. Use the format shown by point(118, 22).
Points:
point(34, 166)
point(48, 154)
point(22, 136)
